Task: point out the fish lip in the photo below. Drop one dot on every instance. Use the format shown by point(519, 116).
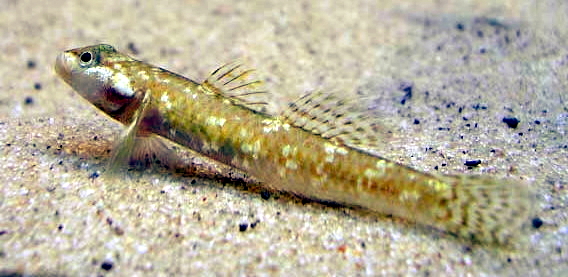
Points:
point(63, 64)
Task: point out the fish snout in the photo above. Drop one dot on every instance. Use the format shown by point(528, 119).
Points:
point(63, 65)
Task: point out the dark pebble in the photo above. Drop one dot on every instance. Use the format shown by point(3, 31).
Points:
point(478, 107)
point(94, 175)
point(460, 27)
point(407, 88)
point(416, 121)
point(29, 100)
point(243, 227)
point(512, 122)
point(472, 162)
point(107, 265)
point(37, 86)
point(31, 64)
point(537, 222)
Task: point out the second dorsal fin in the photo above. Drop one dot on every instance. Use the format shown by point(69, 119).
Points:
point(236, 82)
point(334, 118)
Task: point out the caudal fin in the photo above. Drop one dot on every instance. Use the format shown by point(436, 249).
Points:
point(489, 210)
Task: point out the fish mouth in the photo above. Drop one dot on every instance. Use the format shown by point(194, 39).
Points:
point(63, 64)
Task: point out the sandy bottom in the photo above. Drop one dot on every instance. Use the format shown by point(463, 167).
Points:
point(440, 77)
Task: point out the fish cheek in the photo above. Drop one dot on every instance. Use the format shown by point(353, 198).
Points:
point(113, 102)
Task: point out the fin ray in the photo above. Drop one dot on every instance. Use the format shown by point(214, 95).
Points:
point(335, 118)
point(236, 83)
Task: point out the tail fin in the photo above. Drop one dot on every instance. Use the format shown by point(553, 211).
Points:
point(489, 210)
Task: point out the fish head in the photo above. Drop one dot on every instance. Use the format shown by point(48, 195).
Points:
point(96, 73)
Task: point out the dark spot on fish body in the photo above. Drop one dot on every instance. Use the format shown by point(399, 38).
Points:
point(114, 96)
point(265, 194)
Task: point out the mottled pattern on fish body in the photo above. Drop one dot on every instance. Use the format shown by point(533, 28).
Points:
point(304, 151)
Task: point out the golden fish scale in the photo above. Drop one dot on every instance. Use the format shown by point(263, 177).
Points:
point(289, 158)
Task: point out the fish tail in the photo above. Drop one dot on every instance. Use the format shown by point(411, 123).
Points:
point(487, 210)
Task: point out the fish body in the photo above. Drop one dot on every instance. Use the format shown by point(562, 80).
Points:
point(310, 149)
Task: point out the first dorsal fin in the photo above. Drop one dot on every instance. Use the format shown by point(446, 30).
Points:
point(236, 83)
point(334, 118)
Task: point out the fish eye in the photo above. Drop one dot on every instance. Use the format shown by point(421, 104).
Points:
point(86, 57)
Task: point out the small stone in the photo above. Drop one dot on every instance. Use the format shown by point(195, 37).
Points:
point(472, 162)
point(243, 227)
point(460, 27)
point(31, 64)
point(512, 122)
point(94, 175)
point(537, 222)
point(407, 88)
point(106, 265)
point(29, 100)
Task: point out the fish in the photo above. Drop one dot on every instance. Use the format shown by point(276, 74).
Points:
point(316, 148)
